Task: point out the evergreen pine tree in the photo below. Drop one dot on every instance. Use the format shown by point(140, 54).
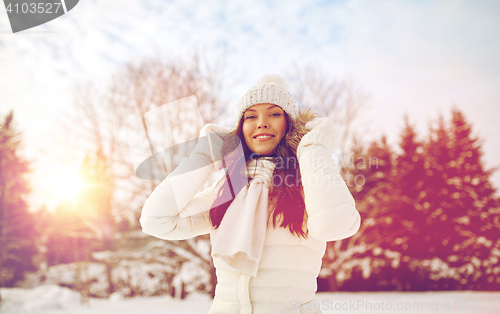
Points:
point(433, 200)
point(369, 178)
point(407, 183)
point(457, 232)
point(369, 167)
point(468, 171)
point(400, 226)
point(410, 163)
point(430, 220)
point(475, 216)
point(17, 227)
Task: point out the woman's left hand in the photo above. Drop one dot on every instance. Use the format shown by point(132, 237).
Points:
point(321, 132)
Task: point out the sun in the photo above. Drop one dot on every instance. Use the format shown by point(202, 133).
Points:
point(65, 184)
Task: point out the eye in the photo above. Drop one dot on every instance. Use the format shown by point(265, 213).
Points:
point(275, 114)
point(249, 117)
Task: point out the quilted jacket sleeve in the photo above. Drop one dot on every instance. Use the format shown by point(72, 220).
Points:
point(330, 207)
point(175, 210)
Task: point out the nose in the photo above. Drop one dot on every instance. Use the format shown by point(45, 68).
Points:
point(262, 123)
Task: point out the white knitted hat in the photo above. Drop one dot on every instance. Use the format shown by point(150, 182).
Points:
point(270, 89)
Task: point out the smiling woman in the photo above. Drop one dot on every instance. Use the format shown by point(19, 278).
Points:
point(268, 222)
point(264, 127)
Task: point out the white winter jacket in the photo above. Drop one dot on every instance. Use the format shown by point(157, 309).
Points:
point(286, 278)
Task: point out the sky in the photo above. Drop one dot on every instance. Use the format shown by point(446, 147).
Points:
point(413, 57)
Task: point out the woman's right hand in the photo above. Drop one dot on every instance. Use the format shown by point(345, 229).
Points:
point(210, 141)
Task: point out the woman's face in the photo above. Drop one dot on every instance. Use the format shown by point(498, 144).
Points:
point(264, 125)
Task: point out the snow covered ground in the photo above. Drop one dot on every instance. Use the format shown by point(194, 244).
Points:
point(51, 299)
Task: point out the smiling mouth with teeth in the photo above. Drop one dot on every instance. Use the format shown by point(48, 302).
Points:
point(264, 136)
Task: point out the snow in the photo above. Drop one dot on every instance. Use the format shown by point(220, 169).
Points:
point(52, 299)
point(70, 275)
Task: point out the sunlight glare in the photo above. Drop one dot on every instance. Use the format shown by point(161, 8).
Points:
point(65, 184)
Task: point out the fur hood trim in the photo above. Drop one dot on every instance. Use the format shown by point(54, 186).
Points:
point(298, 128)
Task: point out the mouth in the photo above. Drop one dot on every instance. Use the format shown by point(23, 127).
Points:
point(262, 137)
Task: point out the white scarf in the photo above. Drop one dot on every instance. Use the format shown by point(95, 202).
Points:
point(242, 231)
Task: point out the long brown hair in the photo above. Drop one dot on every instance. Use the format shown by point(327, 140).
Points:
point(287, 197)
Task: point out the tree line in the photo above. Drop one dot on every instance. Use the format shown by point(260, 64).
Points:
point(430, 215)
